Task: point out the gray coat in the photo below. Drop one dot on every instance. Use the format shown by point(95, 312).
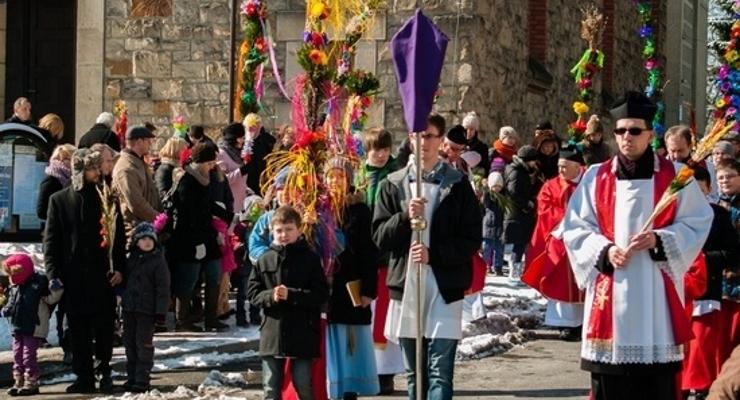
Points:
point(147, 283)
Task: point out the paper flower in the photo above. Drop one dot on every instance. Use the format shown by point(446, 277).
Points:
point(318, 57)
point(319, 10)
point(580, 108)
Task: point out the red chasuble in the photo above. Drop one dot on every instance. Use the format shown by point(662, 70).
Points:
point(546, 266)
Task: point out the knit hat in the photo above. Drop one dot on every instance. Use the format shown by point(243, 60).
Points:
point(203, 152)
point(527, 153)
point(498, 164)
point(281, 178)
point(457, 135)
point(233, 131)
point(144, 229)
point(343, 164)
point(252, 209)
point(495, 178)
point(634, 105)
point(544, 126)
point(82, 160)
point(725, 147)
point(252, 120)
point(508, 132)
point(571, 152)
point(471, 121)
point(19, 268)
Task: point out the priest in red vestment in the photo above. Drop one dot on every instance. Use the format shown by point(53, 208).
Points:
point(546, 266)
point(634, 318)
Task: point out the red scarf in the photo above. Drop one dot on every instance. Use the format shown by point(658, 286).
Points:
point(505, 151)
point(600, 321)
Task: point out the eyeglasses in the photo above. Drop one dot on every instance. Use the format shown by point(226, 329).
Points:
point(635, 131)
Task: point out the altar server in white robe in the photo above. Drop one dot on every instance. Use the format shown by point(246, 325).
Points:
point(634, 322)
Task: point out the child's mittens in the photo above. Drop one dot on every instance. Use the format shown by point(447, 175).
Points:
point(200, 251)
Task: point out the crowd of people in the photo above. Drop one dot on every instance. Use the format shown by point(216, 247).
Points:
point(192, 224)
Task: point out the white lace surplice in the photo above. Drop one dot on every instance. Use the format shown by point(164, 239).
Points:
point(642, 330)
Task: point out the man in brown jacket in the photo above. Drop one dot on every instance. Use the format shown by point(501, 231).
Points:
point(727, 384)
point(133, 180)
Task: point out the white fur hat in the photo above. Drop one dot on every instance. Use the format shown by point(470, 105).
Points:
point(495, 178)
point(471, 121)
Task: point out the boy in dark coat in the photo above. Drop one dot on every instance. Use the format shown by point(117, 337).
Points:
point(288, 283)
point(145, 302)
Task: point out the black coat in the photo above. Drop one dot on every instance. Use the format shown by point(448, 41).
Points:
point(100, 133)
point(49, 185)
point(72, 250)
point(479, 147)
point(291, 328)
point(357, 261)
point(404, 153)
point(163, 178)
point(522, 189)
point(23, 304)
point(454, 237)
point(493, 218)
point(261, 147)
point(720, 250)
point(147, 283)
point(194, 221)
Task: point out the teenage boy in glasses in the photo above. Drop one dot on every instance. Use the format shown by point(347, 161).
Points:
point(634, 322)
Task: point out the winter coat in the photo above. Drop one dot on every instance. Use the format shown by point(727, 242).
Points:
point(49, 185)
point(404, 153)
point(479, 147)
point(100, 133)
point(368, 180)
point(164, 178)
point(357, 261)
point(73, 252)
point(261, 147)
point(147, 283)
point(291, 328)
point(720, 250)
point(237, 181)
point(493, 218)
point(133, 180)
point(195, 209)
point(520, 186)
point(727, 384)
point(454, 237)
point(595, 153)
point(28, 307)
point(260, 238)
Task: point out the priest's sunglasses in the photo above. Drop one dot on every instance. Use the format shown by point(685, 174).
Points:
point(634, 131)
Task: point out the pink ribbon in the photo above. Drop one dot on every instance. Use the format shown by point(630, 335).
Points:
point(273, 58)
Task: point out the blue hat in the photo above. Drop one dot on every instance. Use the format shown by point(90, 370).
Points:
point(144, 229)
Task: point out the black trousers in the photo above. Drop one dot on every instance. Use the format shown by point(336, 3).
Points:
point(138, 337)
point(91, 334)
point(661, 386)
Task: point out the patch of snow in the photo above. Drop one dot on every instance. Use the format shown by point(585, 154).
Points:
point(202, 360)
point(217, 379)
point(181, 393)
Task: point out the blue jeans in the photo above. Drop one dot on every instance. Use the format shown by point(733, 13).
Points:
point(272, 377)
point(186, 276)
point(438, 356)
point(493, 253)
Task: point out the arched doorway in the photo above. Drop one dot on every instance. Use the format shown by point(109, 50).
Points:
point(40, 58)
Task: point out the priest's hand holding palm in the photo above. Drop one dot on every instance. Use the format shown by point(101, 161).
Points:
point(619, 257)
point(642, 241)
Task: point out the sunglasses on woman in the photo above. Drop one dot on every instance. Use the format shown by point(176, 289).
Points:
point(634, 131)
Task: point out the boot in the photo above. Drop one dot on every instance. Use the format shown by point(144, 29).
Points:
point(212, 293)
point(386, 384)
point(30, 386)
point(182, 311)
point(106, 384)
point(515, 273)
point(17, 385)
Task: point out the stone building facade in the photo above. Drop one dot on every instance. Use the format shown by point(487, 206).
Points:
point(507, 60)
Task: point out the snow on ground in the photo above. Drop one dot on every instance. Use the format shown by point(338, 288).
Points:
point(511, 310)
point(181, 393)
point(200, 360)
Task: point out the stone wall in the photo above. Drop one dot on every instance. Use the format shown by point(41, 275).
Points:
point(172, 65)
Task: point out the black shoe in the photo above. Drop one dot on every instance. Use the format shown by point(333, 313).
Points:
point(570, 334)
point(386, 384)
point(216, 326)
point(106, 384)
point(349, 396)
point(242, 322)
point(188, 327)
point(81, 387)
point(27, 392)
point(128, 386)
point(12, 392)
point(140, 388)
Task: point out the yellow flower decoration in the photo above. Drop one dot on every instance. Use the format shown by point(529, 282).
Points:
point(580, 108)
point(731, 56)
point(721, 103)
point(319, 10)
